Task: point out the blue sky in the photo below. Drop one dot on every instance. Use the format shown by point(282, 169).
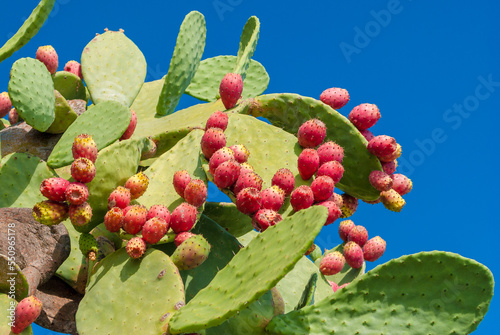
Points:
point(431, 67)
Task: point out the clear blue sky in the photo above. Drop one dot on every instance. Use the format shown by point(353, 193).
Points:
point(430, 66)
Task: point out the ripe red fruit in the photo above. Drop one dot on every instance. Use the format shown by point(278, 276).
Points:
point(183, 218)
point(322, 188)
point(382, 146)
point(272, 198)
point(332, 263)
point(137, 184)
point(311, 133)
point(402, 184)
point(335, 97)
point(134, 218)
point(195, 192)
point(227, 174)
point(83, 170)
point(131, 126)
point(265, 218)
point(120, 197)
point(217, 120)
point(332, 169)
point(181, 237)
point(159, 211)
point(380, 180)
point(374, 249)
point(364, 116)
point(180, 181)
point(136, 247)
point(76, 193)
point(230, 89)
point(212, 140)
point(25, 313)
point(54, 188)
point(359, 235)
point(74, 67)
point(330, 151)
point(48, 56)
point(84, 146)
point(113, 219)
point(308, 163)
point(284, 179)
point(301, 198)
point(153, 230)
point(333, 211)
point(353, 255)
point(248, 200)
point(345, 228)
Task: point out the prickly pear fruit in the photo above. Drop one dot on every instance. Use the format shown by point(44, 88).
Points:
point(402, 184)
point(14, 117)
point(137, 184)
point(392, 200)
point(136, 247)
point(113, 220)
point(333, 211)
point(350, 204)
point(301, 198)
point(212, 140)
point(364, 116)
point(220, 156)
point(88, 246)
point(120, 197)
point(153, 230)
point(84, 146)
point(191, 253)
point(183, 218)
point(367, 134)
point(83, 170)
point(374, 249)
point(353, 255)
point(322, 188)
point(26, 312)
point(5, 104)
point(134, 219)
point(76, 193)
point(248, 200)
point(195, 193)
point(181, 237)
point(48, 56)
point(245, 167)
point(395, 155)
point(272, 198)
point(382, 146)
point(380, 180)
point(332, 169)
point(74, 67)
point(54, 188)
point(131, 127)
point(180, 181)
point(330, 151)
point(345, 228)
point(359, 235)
point(335, 97)
point(264, 218)
point(333, 284)
point(227, 174)
point(159, 211)
point(217, 120)
point(241, 153)
point(80, 215)
point(247, 179)
point(389, 167)
point(337, 199)
point(311, 133)
point(50, 212)
point(332, 263)
point(308, 163)
point(284, 179)
point(230, 89)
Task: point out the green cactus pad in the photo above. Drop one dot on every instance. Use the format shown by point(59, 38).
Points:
point(4, 124)
point(316, 253)
point(7, 307)
point(247, 238)
point(31, 91)
point(248, 43)
point(307, 297)
point(128, 294)
point(69, 85)
point(113, 68)
point(95, 122)
point(10, 270)
point(167, 139)
point(20, 178)
point(347, 274)
point(145, 103)
point(206, 81)
point(426, 293)
point(184, 62)
point(229, 217)
point(29, 29)
point(252, 272)
point(289, 111)
point(65, 115)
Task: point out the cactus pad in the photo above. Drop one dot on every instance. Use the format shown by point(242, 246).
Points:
point(248, 43)
point(69, 85)
point(10, 270)
point(64, 115)
point(229, 217)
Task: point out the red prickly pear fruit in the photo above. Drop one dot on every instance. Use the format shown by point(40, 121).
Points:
point(126, 209)
point(301, 198)
point(284, 179)
point(308, 163)
point(183, 218)
point(131, 126)
point(364, 116)
point(389, 167)
point(345, 228)
point(74, 67)
point(332, 169)
point(350, 205)
point(272, 198)
point(230, 89)
point(332, 263)
point(392, 200)
point(80, 215)
point(136, 247)
point(181, 180)
point(134, 219)
point(54, 188)
point(395, 155)
point(48, 56)
point(159, 211)
point(374, 248)
point(211, 141)
point(248, 179)
point(245, 167)
point(353, 255)
point(84, 146)
point(120, 197)
point(380, 180)
point(358, 234)
point(25, 313)
point(181, 237)
point(330, 151)
point(196, 192)
point(83, 170)
point(322, 188)
point(333, 284)
point(264, 218)
point(368, 135)
point(153, 230)
point(248, 200)
point(241, 153)
point(14, 117)
point(76, 193)
point(217, 120)
point(113, 220)
point(220, 156)
point(333, 211)
point(50, 212)
point(191, 253)
point(227, 174)
point(311, 133)
point(335, 97)
point(137, 184)
point(401, 184)
point(337, 199)
point(5, 104)
point(382, 146)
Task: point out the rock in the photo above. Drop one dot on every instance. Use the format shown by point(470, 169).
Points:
point(78, 105)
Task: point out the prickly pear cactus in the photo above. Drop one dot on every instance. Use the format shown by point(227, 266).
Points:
point(153, 251)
